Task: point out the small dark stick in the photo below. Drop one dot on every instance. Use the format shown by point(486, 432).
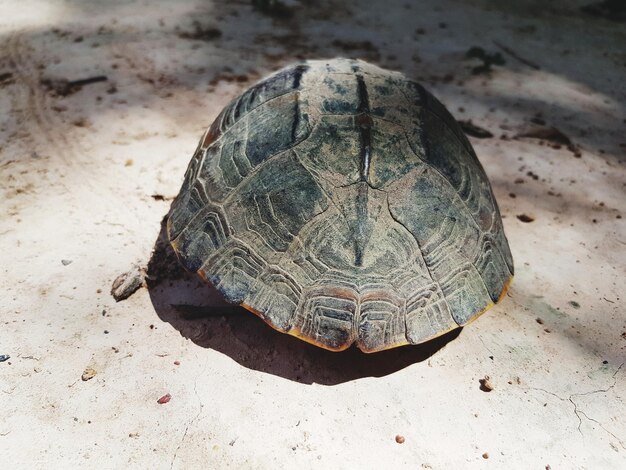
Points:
point(87, 81)
point(513, 54)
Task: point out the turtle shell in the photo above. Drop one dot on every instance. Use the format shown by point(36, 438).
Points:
point(342, 203)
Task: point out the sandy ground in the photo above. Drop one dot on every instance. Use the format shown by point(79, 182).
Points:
point(88, 173)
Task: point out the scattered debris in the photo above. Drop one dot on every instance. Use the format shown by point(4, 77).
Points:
point(128, 283)
point(553, 135)
point(400, 439)
point(613, 10)
point(525, 218)
point(532, 175)
point(473, 130)
point(485, 384)
point(201, 33)
point(4, 357)
point(6, 78)
point(232, 443)
point(487, 59)
point(65, 262)
point(63, 87)
point(133, 435)
point(160, 197)
point(513, 54)
point(274, 8)
point(129, 162)
point(88, 374)
point(80, 122)
point(164, 399)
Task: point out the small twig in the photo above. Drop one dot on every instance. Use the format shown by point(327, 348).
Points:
point(87, 81)
point(513, 54)
point(6, 78)
point(63, 87)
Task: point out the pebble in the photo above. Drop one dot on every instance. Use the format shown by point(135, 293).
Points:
point(88, 374)
point(164, 399)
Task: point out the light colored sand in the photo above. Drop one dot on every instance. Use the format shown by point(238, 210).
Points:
point(77, 176)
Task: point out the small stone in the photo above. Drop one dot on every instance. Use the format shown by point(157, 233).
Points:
point(4, 357)
point(127, 284)
point(485, 455)
point(88, 374)
point(164, 399)
point(400, 439)
point(539, 320)
point(485, 384)
point(65, 262)
point(176, 363)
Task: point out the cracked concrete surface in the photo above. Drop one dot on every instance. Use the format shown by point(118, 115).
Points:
point(89, 172)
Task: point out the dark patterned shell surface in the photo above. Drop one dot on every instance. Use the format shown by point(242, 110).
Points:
point(343, 204)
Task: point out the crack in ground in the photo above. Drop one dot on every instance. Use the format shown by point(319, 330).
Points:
point(578, 412)
point(485, 346)
point(605, 429)
point(192, 420)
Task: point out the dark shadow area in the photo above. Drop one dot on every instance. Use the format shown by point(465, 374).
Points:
point(199, 313)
